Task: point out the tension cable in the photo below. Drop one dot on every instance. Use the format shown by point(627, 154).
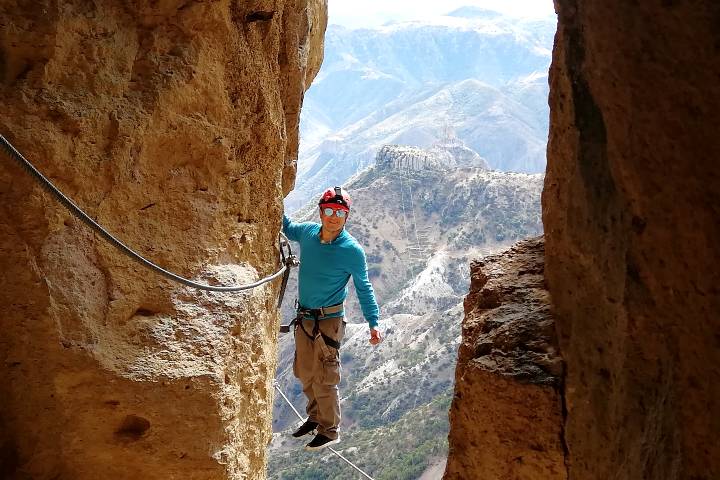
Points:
point(288, 260)
point(277, 387)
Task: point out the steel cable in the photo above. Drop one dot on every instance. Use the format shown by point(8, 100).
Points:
point(277, 387)
point(77, 212)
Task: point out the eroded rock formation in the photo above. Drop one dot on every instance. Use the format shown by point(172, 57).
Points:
point(506, 415)
point(631, 219)
point(174, 124)
point(632, 226)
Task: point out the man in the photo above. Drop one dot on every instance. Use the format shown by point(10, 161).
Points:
point(329, 257)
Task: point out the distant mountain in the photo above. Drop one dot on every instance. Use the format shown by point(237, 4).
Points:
point(478, 73)
point(474, 12)
point(364, 69)
point(421, 215)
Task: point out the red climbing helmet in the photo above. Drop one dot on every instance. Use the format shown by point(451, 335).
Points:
point(335, 197)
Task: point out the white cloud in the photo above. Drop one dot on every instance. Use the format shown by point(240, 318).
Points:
point(368, 13)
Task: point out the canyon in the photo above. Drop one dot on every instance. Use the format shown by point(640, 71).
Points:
point(175, 124)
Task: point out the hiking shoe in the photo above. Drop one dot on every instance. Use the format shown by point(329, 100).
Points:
point(319, 442)
point(305, 428)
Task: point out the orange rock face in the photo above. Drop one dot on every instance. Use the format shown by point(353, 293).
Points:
point(506, 417)
point(174, 124)
point(632, 228)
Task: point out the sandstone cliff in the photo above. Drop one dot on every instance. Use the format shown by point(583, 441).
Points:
point(174, 124)
point(631, 218)
point(506, 415)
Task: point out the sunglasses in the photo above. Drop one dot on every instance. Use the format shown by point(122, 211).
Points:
point(329, 212)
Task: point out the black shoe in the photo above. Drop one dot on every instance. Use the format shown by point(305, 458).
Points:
point(305, 428)
point(320, 442)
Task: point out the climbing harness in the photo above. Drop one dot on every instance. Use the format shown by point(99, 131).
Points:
point(282, 394)
point(317, 335)
point(288, 260)
point(315, 314)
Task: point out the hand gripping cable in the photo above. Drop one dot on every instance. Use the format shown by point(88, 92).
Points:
point(287, 260)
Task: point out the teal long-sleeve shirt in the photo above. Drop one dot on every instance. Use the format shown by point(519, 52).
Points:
point(326, 268)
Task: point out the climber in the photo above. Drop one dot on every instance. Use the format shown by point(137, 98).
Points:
point(329, 257)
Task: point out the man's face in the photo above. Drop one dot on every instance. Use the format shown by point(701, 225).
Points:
point(332, 223)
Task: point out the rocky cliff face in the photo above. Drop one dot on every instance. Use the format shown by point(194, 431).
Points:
point(174, 124)
point(506, 417)
point(630, 213)
point(630, 210)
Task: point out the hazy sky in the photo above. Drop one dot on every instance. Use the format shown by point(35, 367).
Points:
point(367, 13)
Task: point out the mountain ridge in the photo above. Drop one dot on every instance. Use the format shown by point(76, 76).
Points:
point(404, 83)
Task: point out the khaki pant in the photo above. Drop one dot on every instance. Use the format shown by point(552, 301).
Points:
point(317, 366)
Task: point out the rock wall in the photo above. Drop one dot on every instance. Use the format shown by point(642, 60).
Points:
point(506, 419)
point(632, 224)
point(174, 124)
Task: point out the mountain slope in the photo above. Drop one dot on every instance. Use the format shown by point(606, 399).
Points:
point(421, 218)
point(479, 74)
point(489, 120)
point(365, 68)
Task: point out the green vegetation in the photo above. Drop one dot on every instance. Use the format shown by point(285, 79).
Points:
point(400, 450)
point(412, 356)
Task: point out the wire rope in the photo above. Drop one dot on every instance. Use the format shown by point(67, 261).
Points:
point(85, 218)
point(277, 387)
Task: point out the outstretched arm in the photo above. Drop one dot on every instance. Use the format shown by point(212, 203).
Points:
point(366, 296)
point(293, 230)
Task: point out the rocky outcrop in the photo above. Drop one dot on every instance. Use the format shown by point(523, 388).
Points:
point(506, 417)
point(401, 157)
point(448, 154)
point(631, 218)
point(174, 124)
